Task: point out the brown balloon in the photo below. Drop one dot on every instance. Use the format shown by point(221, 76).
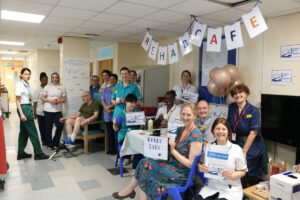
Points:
point(214, 90)
point(211, 73)
point(222, 78)
point(237, 82)
point(233, 71)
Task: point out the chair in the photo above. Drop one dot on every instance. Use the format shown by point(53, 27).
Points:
point(176, 191)
point(87, 134)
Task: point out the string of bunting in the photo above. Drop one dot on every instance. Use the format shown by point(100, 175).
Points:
point(253, 21)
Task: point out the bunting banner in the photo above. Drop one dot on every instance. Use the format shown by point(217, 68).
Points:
point(173, 53)
point(233, 36)
point(185, 44)
point(162, 55)
point(153, 49)
point(198, 34)
point(147, 41)
point(253, 21)
point(214, 36)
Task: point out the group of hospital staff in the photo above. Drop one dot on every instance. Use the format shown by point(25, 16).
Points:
point(241, 130)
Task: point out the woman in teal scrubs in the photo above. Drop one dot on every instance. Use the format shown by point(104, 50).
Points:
point(27, 127)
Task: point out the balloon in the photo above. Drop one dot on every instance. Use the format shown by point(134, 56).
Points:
point(214, 90)
point(237, 82)
point(222, 78)
point(211, 73)
point(232, 70)
point(230, 99)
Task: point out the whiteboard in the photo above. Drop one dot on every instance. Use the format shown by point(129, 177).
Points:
point(76, 80)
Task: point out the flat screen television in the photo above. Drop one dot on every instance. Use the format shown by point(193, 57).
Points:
point(280, 118)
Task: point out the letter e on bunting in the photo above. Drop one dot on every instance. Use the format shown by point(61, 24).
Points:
point(147, 41)
point(233, 35)
point(254, 22)
point(162, 55)
point(214, 39)
point(198, 34)
point(153, 50)
point(185, 44)
point(173, 53)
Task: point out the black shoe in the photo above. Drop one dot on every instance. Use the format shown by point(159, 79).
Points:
point(50, 148)
point(117, 196)
point(41, 156)
point(23, 156)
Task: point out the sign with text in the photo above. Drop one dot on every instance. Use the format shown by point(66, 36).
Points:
point(290, 52)
point(156, 147)
point(282, 77)
point(135, 118)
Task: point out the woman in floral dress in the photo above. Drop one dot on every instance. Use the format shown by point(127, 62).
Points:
point(156, 177)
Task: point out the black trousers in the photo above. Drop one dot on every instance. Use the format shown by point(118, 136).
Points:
point(41, 122)
point(136, 158)
point(112, 139)
point(50, 119)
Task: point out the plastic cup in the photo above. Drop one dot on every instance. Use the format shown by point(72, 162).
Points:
point(119, 120)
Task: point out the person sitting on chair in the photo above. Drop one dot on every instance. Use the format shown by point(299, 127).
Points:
point(88, 112)
point(155, 177)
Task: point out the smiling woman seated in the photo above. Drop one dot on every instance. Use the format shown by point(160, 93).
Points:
point(230, 187)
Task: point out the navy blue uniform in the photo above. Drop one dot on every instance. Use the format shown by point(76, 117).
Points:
point(241, 124)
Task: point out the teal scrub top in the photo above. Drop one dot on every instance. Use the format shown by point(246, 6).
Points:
point(124, 128)
point(121, 92)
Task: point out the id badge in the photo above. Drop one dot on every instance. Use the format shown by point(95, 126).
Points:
point(233, 136)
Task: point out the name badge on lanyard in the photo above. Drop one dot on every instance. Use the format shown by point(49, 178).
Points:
point(29, 92)
point(236, 123)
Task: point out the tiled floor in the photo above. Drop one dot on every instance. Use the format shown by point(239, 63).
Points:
point(68, 178)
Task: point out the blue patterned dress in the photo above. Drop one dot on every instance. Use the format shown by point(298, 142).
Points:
point(156, 177)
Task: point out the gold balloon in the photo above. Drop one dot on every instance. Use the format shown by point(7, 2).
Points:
point(211, 73)
point(214, 90)
point(222, 78)
point(233, 71)
point(237, 82)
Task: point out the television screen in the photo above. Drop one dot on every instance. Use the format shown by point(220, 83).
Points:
point(280, 118)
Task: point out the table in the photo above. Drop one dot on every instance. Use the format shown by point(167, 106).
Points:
point(134, 142)
point(249, 193)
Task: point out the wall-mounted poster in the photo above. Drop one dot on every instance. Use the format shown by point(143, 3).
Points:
point(282, 77)
point(290, 52)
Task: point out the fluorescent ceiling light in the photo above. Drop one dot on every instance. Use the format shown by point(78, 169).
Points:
point(12, 43)
point(8, 52)
point(12, 58)
point(20, 16)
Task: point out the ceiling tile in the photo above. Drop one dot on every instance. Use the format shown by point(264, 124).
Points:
point(114, 34)
point(22, 6)
point(62, 21)
point(157, 3)
point(167, 16)
point(272, 7)
point(130, 9)
point(84, 30)
point(128, 29)
point(72, 13)
point(97, 5)
point(197, 7)
point(202, 20)
point(50, 27)
point(174, 28)
point(228, 16)
point(98, 25)
point(113, 19)
point(143, 23)
point(51, 2)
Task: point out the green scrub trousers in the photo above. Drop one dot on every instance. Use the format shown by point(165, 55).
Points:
point(28, 130)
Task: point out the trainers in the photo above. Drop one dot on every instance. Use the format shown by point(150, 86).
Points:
point(41, 156)
point(68, 141)
point(23, 156)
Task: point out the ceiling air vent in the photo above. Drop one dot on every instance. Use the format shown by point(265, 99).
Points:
point(91, 34)
point(23, 51)
point(232, 3)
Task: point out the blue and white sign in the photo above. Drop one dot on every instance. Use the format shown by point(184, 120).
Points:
point(282, 77)
point(290, 52)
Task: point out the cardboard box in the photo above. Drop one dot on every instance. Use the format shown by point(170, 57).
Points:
point(285, 187)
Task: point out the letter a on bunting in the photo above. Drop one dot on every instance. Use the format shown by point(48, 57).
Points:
point(214, 39)
point(173, 53)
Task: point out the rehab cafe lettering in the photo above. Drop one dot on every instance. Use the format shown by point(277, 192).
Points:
point(253, 21)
